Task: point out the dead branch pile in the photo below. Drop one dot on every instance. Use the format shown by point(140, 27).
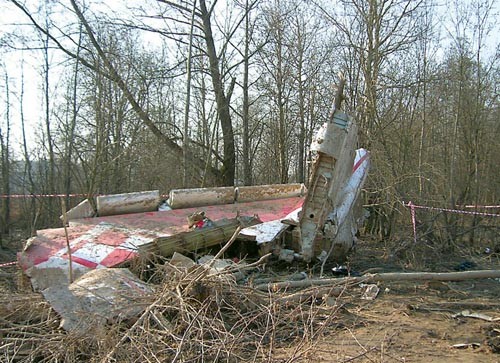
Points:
point(193, 316)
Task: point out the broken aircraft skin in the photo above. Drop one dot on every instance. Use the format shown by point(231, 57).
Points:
point(328, 223)
point(322, 218)
point(325, 227)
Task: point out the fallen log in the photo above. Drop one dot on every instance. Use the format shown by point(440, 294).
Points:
point(391, 276)
point(454, 305)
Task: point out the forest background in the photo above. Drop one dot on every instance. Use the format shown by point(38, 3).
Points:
point(105, 97)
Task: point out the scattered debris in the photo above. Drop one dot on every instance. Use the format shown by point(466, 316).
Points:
point(465, 265)
point(264, 232)
point(287, 255)
point(199, 220)
point(181, 262)
point(369, 292)
point(340, 271)
point(493, 339)
point(164, 206)
point(466, 345)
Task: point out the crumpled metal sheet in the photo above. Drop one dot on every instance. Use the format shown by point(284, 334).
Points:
point(98, 297)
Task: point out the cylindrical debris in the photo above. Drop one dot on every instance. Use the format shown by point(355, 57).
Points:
point(198, 197)
point(108, 205)
point(267, 192)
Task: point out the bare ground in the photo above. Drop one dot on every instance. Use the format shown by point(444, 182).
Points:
point(414, 321)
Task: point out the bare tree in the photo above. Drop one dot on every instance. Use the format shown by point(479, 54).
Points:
point(5, 151)
point(28, 168)
point(49, 140)
point(229, 161)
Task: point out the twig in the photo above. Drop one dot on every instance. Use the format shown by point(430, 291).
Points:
point(136, 324)
point(360, 355)
point(226, 246)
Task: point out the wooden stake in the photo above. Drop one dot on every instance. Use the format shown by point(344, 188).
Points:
point(65, 222)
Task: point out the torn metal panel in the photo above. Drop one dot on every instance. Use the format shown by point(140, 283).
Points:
point(343, 167)
point(264, 232)
point(99, 296)
point(216, 266)
point(337, 241)
point(111, 240)
point(270, 231)
point(83, 210)
point(332, 169)
point(333, 146)
point(128, 203)
point(344, 221)
point(92, 246)
point(314, 210)
point(175, 220)
point(325, 178)
point(181, 262)
point(328, 139)
point(54, 272)
point(352, 188)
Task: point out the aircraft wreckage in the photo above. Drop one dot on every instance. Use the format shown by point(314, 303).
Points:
point(291, 221)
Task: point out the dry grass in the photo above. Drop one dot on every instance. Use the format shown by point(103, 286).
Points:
point(191, 317)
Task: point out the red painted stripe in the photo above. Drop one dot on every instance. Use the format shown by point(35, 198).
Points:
point(360, 161)
point(83, 262)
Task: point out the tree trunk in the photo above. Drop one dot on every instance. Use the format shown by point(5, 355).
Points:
point(185, 142)
point(144, 117)
point(71, 135)
point(229, 160)
point(51, 187)
point(247, 171)
point(27, 167)
point(5, 167)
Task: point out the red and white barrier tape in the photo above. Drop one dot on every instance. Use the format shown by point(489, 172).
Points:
point(451, 210)
point(414, 222)
point(4, 196)
point(42, 195)
point(483, 206)
point(8, 264)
